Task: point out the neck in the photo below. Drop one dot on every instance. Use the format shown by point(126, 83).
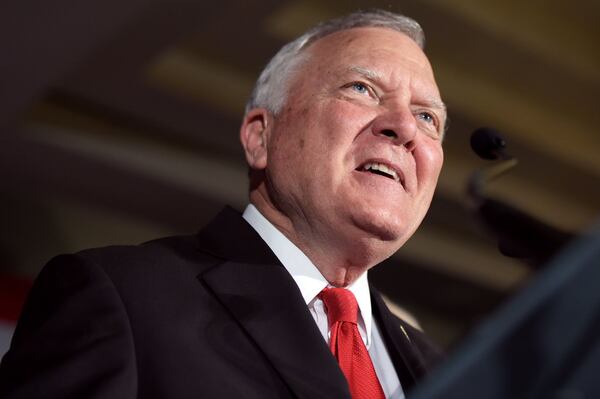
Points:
point(340, 263)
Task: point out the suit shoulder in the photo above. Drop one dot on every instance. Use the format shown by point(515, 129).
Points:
point(151, 248)
point(175, 248)
point(161, 258)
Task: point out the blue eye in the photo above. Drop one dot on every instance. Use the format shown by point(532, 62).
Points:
point(360, 87)
point(426, 116)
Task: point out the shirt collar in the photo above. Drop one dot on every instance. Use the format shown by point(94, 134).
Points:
point(309, 279)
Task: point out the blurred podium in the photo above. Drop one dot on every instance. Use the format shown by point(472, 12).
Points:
point(544, 343)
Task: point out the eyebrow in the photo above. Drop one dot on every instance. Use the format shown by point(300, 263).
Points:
point(376, 77)
point(435, 103)
point(367, 73)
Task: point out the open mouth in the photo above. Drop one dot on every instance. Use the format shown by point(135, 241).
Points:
point(380, 169)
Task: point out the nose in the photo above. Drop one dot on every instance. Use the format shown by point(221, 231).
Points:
point(399, 126)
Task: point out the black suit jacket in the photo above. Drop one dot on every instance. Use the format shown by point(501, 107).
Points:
point(213, 315)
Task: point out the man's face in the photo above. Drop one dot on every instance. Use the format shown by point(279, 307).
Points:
point(355, 153)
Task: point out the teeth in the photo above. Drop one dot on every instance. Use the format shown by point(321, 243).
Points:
point(382, 168)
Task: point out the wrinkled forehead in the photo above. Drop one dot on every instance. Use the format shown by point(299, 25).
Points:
point(385, 51)
point(368, 44)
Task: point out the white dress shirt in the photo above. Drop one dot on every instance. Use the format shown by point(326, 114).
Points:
point(311, 282)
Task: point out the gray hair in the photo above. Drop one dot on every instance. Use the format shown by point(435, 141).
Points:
point(270, 90)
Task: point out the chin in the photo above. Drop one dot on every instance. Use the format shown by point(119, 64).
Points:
point(373, 237)
point(384, 227)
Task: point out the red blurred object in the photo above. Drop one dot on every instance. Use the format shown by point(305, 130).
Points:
point(13, 292)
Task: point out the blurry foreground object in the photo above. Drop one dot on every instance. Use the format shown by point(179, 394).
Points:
point(545, 343)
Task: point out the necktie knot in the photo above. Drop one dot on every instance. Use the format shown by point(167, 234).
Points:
point(341, 305)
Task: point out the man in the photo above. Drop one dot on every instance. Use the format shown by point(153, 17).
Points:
point(343, 139)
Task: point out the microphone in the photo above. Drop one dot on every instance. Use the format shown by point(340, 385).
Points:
point(489, 144)
point(519, 235)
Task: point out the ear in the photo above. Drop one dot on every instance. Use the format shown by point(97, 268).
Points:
point(253, 135)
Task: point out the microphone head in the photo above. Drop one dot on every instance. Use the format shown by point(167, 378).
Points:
point(488, 143)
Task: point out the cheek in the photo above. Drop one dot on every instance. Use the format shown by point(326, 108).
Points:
point(430, 159)
point(334, 131)
point(319, 136)
point(349, 115)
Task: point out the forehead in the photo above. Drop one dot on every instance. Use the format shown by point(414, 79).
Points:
point(386, 50)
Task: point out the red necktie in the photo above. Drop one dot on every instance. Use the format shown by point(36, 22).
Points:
point(347, 345)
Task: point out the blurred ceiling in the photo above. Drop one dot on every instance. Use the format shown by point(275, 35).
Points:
point(120, 123)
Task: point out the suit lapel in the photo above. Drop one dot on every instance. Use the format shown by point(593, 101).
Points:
point(405, 355)
point(264, 299)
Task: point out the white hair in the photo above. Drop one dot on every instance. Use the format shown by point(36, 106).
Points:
point(270, 90)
